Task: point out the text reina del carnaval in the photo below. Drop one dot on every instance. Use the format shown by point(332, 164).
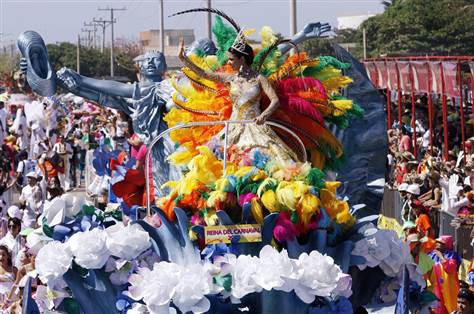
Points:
point(233, 231)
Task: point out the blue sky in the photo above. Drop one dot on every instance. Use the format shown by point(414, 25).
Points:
point(62, 20)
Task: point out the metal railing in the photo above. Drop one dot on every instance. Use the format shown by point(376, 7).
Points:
point(226, 132)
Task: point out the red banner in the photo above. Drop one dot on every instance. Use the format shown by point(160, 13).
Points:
point(450, 72)
point(420, 76)
point(435, 68)
point(392, 75)
point(382, 74)
point(372, 72)
point(404, 70)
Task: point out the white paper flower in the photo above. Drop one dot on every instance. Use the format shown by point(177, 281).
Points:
point(137, 308)
point(374, 247)
point(127, 242)
point(399, 256)
point(382, 248)
point(244, 272)
point(274, 269)
point(318, 276)
point(53, 261)
point(195, 283)
point(89, 248)
point(187, 286)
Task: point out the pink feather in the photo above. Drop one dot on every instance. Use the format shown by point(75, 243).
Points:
point(294, 85)
point(301, 106)
point(284, 229)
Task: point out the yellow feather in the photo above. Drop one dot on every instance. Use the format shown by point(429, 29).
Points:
point(267, 36)
point(256, 209)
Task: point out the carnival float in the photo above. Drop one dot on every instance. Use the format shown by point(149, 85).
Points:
point(234, 209)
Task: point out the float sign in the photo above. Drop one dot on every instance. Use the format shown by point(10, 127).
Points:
point(246, 233)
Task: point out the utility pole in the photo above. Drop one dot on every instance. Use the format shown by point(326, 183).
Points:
point(162, 28)
point(293, 23)
point(94, 31)
point(78, 57)
point(112, 21)
point(89, 37)
point(102, 24)
point(209, 21)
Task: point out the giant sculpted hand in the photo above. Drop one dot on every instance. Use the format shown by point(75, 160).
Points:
point(315, 30)
point(69, 79)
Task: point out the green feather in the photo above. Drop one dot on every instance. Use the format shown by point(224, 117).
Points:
point(225, 36)
point(271, 63)
point(315, 178)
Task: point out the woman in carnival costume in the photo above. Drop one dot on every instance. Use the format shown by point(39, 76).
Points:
point(297, 92)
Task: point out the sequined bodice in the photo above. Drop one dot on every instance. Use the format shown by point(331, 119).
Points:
point(245, 95)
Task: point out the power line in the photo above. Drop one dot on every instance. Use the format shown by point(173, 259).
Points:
point(94, 32)
point(103, 25)
point(89, 37)
point(112, 21)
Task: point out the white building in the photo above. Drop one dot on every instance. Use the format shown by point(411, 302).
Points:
point(352, 22)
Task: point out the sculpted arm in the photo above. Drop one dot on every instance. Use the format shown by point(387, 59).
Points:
point(312, 30)
point(77, 84)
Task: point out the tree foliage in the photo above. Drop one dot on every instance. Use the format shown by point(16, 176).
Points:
point(322, 46)
point(419, 27)
point(93, 63)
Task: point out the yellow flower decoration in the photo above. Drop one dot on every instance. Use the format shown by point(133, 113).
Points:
point(332, 186)
point(307, 206)
point(216, 196)
point(242, 171)
point(331, 204)
point(256, 209)
point(269, 200)
point(211, 218)
point(289, 193)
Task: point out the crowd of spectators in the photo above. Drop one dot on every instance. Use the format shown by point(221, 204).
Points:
point(431, 186)
point(43, 157)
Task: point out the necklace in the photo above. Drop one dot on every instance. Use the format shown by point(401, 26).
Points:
point(246, 73)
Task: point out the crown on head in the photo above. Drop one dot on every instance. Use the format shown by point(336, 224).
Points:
point(240, 42)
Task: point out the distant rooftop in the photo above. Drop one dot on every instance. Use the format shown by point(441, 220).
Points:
point(352, 21)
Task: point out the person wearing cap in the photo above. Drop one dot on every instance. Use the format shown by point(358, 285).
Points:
point(412, 192)
point(444, 276)
point(31, 199)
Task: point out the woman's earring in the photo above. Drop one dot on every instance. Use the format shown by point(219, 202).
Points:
point(240, 69)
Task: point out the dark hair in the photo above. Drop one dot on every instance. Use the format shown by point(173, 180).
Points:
point(248, 55)
point(23, 155)
point(15, 221)
point(5, 248)
point(466, 294)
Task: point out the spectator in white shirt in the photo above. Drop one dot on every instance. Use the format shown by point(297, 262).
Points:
point(31, 199)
